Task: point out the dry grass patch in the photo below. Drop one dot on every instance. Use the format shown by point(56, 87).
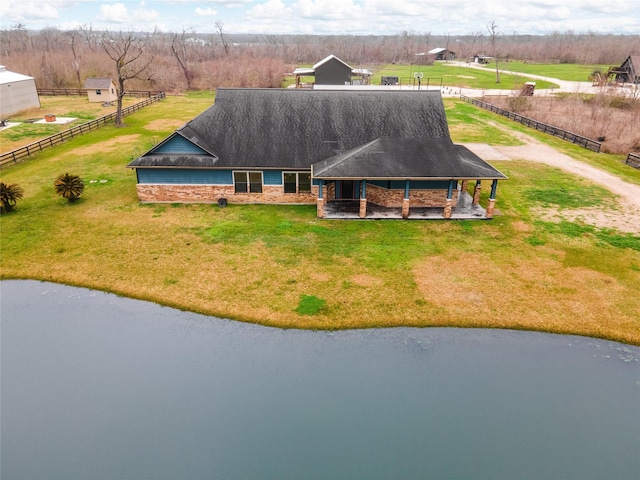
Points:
point(536, 293)
point(364, 280)
point(163, 125)
point(106, 146)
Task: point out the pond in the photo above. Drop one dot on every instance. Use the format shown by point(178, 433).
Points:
point(103, 387)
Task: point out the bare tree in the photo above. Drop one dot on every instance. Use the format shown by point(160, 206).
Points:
point(132, 58)
point(223, 39)
point(74, 35)
point(90, 37)
point(182, 52)
point(493, 35)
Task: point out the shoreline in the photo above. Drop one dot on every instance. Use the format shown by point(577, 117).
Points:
point(354, 327)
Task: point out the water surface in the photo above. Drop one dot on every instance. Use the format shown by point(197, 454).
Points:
point(96, 386)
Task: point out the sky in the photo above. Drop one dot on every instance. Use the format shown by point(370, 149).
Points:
point(328, 17)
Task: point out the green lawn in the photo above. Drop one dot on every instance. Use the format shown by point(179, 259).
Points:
point(562, 71)
point(450, 75)
point(78, 107)
point(281, 266)
point(445, 74)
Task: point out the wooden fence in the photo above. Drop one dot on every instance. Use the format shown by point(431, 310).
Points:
point(52, 92)
point(20, 153)
point(542, 127)
point(633, 159)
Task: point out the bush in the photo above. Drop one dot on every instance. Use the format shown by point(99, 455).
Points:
point(9, 196)
point(69, 186)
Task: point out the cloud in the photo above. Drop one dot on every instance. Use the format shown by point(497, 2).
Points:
point(218, 3)
point(206, 12)
point(269, 10)
point(328, 9)
point(20, 11)
point(145, 16)
point(116, 13)
point(119, 13)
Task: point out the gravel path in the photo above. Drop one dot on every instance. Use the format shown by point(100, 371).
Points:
point(625, 216)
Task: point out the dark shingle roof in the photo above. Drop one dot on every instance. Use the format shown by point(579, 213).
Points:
point(394, 134)
point(99, 83)
point(393, 158)
point(175, 160)
point(290, 128)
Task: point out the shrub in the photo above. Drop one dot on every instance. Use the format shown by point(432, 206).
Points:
point(9, 196)
point(69, 186)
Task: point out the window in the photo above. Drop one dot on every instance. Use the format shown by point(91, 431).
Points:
point(247, 182)
point(98, 91)
point(297, 182)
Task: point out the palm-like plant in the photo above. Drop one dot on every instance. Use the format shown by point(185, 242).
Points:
point(69, 186)
point(9, 196)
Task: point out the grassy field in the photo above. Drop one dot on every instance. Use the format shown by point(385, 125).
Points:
point(445, 74)
point(281, 266)
point(562, 71)
point(455, 76)
point(78, 107)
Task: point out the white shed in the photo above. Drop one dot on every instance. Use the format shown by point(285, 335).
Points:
point(17, 92)
point(101, 89)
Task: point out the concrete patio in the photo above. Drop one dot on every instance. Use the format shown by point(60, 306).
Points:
point(349, 209)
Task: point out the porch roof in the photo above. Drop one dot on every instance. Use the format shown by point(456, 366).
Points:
point(406, 158)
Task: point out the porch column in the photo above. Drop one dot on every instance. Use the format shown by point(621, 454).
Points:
point(476, 192)
point(405, 200)
point(492, 199)
point(320, 201)
point(465, 184)
point(363, 199)
point(448, 206)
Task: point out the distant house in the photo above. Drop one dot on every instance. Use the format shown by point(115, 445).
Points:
point(333, 71)
point(101, 89)
point(352, 153)
point(481, 59)
point(17, 93)
point(628, 72)
point(442, 54)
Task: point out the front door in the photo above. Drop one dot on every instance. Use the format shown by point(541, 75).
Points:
point(348, 190)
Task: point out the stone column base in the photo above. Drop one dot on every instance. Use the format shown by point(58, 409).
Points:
point(476, 194)
point(363, 208)
point(320, 205)
point(405, 208)
point(447, 208)
point(465, 184)
point(491, 207)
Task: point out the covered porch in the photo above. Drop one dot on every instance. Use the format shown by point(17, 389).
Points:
point(405, 178)
point(466, 207)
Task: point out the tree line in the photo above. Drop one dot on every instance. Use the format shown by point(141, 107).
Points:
point(187, 60)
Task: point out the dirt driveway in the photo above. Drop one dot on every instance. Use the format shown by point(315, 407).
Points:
point(625, 216)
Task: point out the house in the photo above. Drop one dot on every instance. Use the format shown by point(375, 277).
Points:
point(353, 153)
point(17, 93)
point(333, 71)
point(101, 90)
point(628, 72)
point(481, 59)
point(442, 54)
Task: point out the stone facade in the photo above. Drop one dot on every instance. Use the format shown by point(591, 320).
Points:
point(363, 208)
point(476, 193)
point(168, 193)
point(330, 191)
point(490, 208)
point(384, 196)
point(431, 198)
point(417, 198)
